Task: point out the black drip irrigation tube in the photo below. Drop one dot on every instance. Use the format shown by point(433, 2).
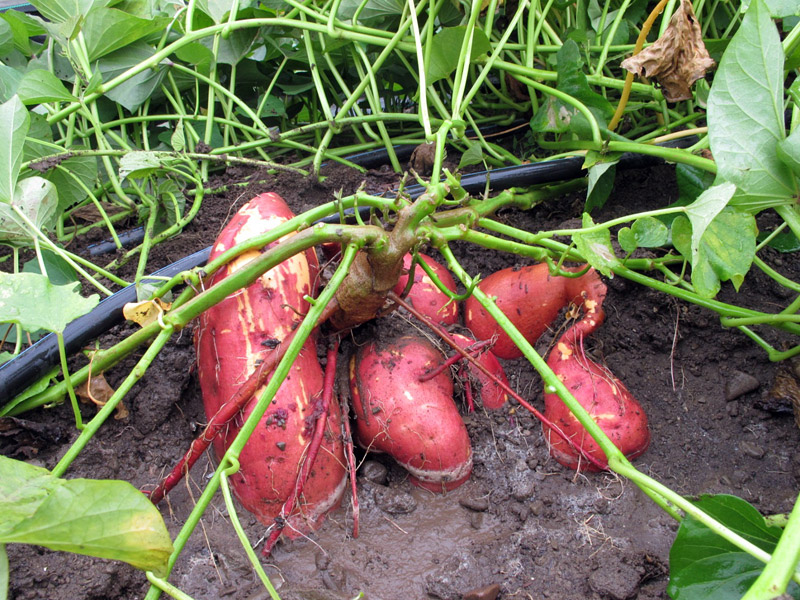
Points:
point(39, 359)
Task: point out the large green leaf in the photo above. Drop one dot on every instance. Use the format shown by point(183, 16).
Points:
point(374, 11)
point(109, 29)
point(39, 86)
point(745, 113)
point(37, 199)
point(103, 518)
point(134, 91)
point(55, 306)
point(703, 566)
point(725, 251)
point(446, 50)
point(61, 11)
point(14, 123)
point(235, 47)
point(9, 81)
point(6, 37)
point(80, 168)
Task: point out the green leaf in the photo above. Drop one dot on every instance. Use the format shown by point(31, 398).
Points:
point(134, 91)
point(235, 47)
point(66, 179)
point(15, 32)
point(38, 86)
point(14, 123)
point(23, 488)
point(103, 518)
point(34, 388)
point(789, 151)
point(373, 12)
point(59, 271)
point(692, 181)
point(704, 566)
point(178, 139)
point(138, 164)
point(273, 107)
point(646, 232)
point(6, 37)
point(37, 199)
point(601, 182)
point(785, 242)
point(572, 80)
point(446, 50)
point(596, 247)
point(60, 11)
point(55, 306)
point(702, 211)
point(216, 9)
point(473, 155)
point(9, 81)
point(557, 116)
point(195, 54)
point(745, 113)
point(725, 252)
point(109, 29)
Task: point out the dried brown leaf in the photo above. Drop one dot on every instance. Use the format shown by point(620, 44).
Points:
point(97, 390)
point(677, 59)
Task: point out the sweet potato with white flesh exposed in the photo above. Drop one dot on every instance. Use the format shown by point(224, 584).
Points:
point(415, 422)
point(425, 296)
point(232, 339)
point(492, 395)
point(604, 397)
point(531, 298)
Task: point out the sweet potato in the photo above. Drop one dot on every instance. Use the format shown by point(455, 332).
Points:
point(492, 395)
point(531, 299)
point(425, 296)
point(604, 397)
point(415, 422)
point(232, 338)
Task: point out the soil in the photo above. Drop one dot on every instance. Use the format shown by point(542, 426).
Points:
point(522, 525)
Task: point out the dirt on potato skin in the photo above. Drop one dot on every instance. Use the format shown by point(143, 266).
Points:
point(522, 522)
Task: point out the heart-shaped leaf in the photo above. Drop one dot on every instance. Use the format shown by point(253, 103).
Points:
point(55, 306)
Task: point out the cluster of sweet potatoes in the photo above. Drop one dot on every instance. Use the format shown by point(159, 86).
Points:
point(293, 468)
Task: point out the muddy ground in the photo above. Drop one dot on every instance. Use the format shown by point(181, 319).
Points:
point(522, 523)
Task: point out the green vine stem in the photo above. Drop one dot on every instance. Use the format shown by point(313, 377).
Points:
point(108, 408)
point(237, 527)
point(775, 577)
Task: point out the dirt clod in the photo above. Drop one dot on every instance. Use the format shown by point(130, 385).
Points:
point(739, 384)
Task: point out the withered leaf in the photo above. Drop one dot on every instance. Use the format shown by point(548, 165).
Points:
point(145, 312)
point(677, 59)
point(97, 390)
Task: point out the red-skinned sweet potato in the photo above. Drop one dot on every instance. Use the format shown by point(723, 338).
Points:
point(492, 395)
point(415, 422)
point(425, 296)
point(531, 298)
point(231, 340)
point(603, 396)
